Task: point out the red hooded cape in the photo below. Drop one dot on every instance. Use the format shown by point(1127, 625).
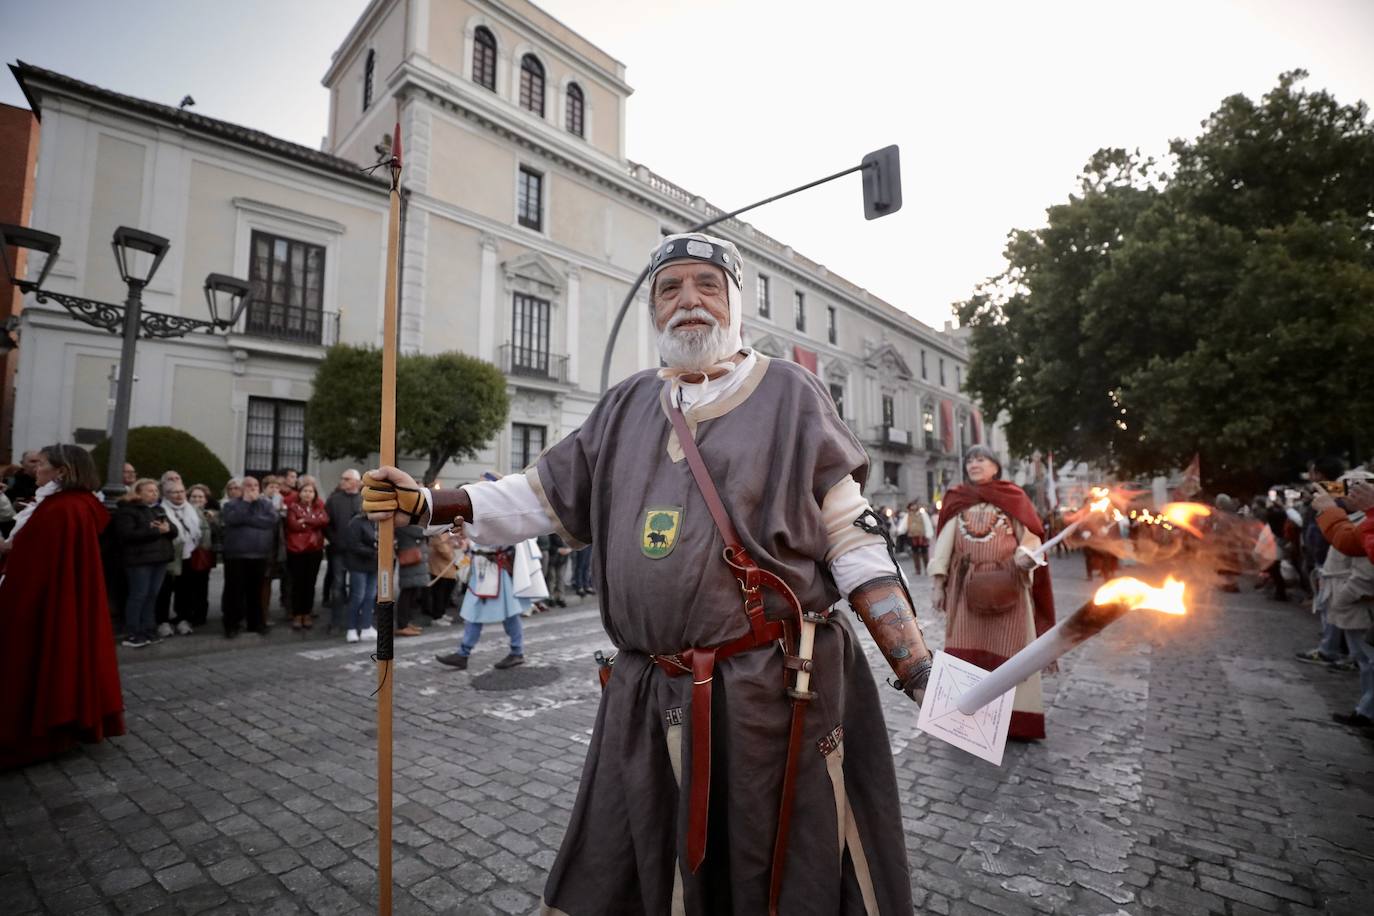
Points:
point(58, 672)
point(1012, 500)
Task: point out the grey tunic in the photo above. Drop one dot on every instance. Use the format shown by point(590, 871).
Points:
point(774, 448)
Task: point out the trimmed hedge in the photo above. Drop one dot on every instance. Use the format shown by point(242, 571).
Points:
point(155, 449)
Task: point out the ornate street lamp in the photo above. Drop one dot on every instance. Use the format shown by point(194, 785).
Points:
point(226, 298)
point(35, 243)
point(138, 255)
point(126, 241)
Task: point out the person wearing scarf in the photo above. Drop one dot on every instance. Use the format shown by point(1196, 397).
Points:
point(996, 600)
point(178, 581)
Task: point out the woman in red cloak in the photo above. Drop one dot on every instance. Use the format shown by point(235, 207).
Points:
point(996, 600)
point(58, 672)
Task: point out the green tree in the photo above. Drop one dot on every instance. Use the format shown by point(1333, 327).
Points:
point(661, 521)
point(448, 406)
point(1223, 309)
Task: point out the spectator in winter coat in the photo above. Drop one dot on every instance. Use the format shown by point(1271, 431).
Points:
point(556, 553)
point(306, 520)
point(250, 531)
point(443, 576)
point(412, 558)
point(189, 525)
point(360, 554)
point(145, 540)
point(1347, 591)
point(344, 503)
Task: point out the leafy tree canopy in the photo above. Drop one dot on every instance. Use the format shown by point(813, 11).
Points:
point(1225, 308)
point(448, 406)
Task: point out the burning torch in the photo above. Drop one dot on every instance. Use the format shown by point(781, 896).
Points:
point(1109, 604)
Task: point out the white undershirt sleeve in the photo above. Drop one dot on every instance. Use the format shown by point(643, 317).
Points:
point(854, 555)
point(504, 511)
point(860, 565)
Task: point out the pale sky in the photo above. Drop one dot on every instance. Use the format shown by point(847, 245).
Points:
point(996, 105)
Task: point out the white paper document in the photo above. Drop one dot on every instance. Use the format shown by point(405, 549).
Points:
point(983, 734)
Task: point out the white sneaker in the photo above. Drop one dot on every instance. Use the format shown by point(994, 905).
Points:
point(353, 636)
point(184, 628)
point(370, 634)
point(164, 630)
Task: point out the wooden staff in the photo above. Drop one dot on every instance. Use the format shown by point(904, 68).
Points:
point(386, 603)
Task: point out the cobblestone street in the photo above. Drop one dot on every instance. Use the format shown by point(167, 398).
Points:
point(1191, 767)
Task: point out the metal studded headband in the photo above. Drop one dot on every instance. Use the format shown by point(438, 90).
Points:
point(677, 248)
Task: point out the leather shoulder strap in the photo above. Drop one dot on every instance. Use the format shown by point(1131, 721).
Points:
point(703, 479)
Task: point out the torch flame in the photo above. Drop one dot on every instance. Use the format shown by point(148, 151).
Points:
point(1167, 599)
point(1182, 515)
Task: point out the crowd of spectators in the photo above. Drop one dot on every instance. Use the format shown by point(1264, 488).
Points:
point(167, 536)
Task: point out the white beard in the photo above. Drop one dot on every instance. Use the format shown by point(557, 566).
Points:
point(694, 349)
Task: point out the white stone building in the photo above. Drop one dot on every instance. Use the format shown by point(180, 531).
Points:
point(525, 225)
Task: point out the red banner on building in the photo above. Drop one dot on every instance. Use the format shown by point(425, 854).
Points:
point(805, 357)
point(977, 427)
point(947, 425)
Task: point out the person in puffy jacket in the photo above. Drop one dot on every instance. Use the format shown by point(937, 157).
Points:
point(250, 531)
point(306, 520)
point(144, 536)
point(360, 555)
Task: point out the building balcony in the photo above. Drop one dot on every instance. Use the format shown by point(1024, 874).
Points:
point(892, 438)
point(297, 326)
point(534, 363)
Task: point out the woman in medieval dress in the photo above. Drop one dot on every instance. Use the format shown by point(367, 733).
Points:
point(996, 598)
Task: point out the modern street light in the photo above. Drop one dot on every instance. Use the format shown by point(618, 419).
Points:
point(882, 185)
point(138, 255)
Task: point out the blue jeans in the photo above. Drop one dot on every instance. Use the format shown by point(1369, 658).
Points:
point(582, 569)
point(473, 632)
point(140, 608)
point(362, 594)
point(1333, 636)
point(1363, 653)
point(338, 588)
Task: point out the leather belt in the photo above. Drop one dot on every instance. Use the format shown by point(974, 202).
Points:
point(700, 663)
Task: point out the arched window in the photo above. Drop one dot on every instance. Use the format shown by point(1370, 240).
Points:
point(576, 110)
point(532, 84)
point(368, 69)
point(484, 58)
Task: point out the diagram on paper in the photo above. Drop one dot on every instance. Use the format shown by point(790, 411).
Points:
point(983, 734)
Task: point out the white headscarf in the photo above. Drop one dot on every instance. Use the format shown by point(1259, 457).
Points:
point(697, 246)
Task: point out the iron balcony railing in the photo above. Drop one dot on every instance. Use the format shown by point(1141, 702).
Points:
point(304, 326)
point(534, 363)
point(891, 437)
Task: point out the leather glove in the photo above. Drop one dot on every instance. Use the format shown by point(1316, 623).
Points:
point(382, 496)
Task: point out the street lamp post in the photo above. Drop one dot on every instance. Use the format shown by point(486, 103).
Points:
point(225, 296)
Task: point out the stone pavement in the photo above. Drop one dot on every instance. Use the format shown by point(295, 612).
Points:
point(1191, 768)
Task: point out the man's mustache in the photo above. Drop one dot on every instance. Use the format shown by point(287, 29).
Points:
point(692, 315)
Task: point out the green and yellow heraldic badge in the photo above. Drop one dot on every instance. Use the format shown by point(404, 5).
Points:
point(661, 527)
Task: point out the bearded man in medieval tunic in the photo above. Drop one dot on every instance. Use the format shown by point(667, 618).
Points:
point(996, 597)
point(680, 807)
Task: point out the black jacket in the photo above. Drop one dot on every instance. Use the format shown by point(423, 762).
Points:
point(360, 545)
point(341, 507)
point(139, 543)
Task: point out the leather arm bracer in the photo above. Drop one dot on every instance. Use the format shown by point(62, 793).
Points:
point(882, 604)
point(452, 505)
